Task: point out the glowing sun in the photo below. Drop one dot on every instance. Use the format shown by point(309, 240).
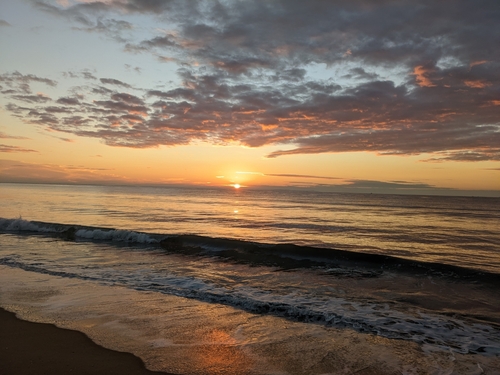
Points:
point(236, 186)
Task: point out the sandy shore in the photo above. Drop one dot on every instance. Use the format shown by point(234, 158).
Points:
point(35, 348)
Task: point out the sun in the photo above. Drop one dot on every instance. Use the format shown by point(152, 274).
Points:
point(236, 186)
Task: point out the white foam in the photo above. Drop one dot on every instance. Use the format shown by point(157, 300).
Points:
point(16, 225)
point(23, 225)
point(115, 235)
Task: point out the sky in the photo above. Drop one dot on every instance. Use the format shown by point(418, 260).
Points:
point(377, 96)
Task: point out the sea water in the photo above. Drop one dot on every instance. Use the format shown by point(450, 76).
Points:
point(226, 281)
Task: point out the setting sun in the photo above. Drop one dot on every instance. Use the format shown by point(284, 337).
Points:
point(236, 186)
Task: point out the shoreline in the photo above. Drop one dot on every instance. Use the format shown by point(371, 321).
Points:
point(28, 348)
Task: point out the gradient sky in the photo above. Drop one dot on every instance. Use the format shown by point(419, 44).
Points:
point(372, 96)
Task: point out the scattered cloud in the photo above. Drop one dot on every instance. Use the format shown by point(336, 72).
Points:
point(68, 101)
point(20, 83)
point(7, 136)
point(401, 77)
point(8, 148)
point(110, 27)
point(111, 81)
point(136, 69)
point(38, 98)
point(393, 185)
point(15, 171)
point(302, 176)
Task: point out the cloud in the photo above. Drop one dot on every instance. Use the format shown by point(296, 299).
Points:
point(394, 185)
point(110, 27)
point(282, 32)
point(111, 81)
point(313, 116)
point(302, 176)
point(287, 175)
point(399, 78)
point(38, 98)
point(8, 148)
point(7, 136)
point(86, 74)
point(4, 23)
point(385, 187)
point(21, 83)
point(467, 155)
point(381, 187)
point(15, 171)
point(68, 101)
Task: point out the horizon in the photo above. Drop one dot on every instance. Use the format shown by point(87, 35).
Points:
point(450, 193)
point(345, 96)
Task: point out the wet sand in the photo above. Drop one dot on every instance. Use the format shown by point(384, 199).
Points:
point(28, 348)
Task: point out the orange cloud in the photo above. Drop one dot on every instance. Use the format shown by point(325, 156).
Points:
point(477, 84)
point(474, 63)
point(420, 73)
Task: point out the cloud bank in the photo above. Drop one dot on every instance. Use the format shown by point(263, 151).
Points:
point(395, 77)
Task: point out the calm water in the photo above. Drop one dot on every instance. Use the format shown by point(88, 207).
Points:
point(119, 264)
point(455, 230)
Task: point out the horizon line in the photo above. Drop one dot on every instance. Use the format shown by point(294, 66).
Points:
point(336, 189)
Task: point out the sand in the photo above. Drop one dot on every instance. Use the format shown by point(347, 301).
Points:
point(28, 348)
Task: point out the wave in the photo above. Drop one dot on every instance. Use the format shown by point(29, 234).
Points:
point(445, 332)
point(75, 231)
point(384, 317)
point(335, 262)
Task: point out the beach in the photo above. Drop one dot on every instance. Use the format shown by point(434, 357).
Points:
point(35, 348)
point(347, 285)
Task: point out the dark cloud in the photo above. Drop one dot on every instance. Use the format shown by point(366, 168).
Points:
point(110, 27)
point(4, 23)
point(384, 187)
point(360, 73)
point(293, 32)
point(111, 81)
point(165, 41)
point(8, 149)
point(38, 98)
point(381, 187)
point(314, 117)
point(21, 83)
point(68, 101)
point(480, 155)
point(400, 77)
point(81, 74)
point(127, 98)
point(399, 185)
point(88, 75)
point(55, 109)
point(301, 176)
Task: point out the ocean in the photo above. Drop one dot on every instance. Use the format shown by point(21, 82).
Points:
point(246, 281)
